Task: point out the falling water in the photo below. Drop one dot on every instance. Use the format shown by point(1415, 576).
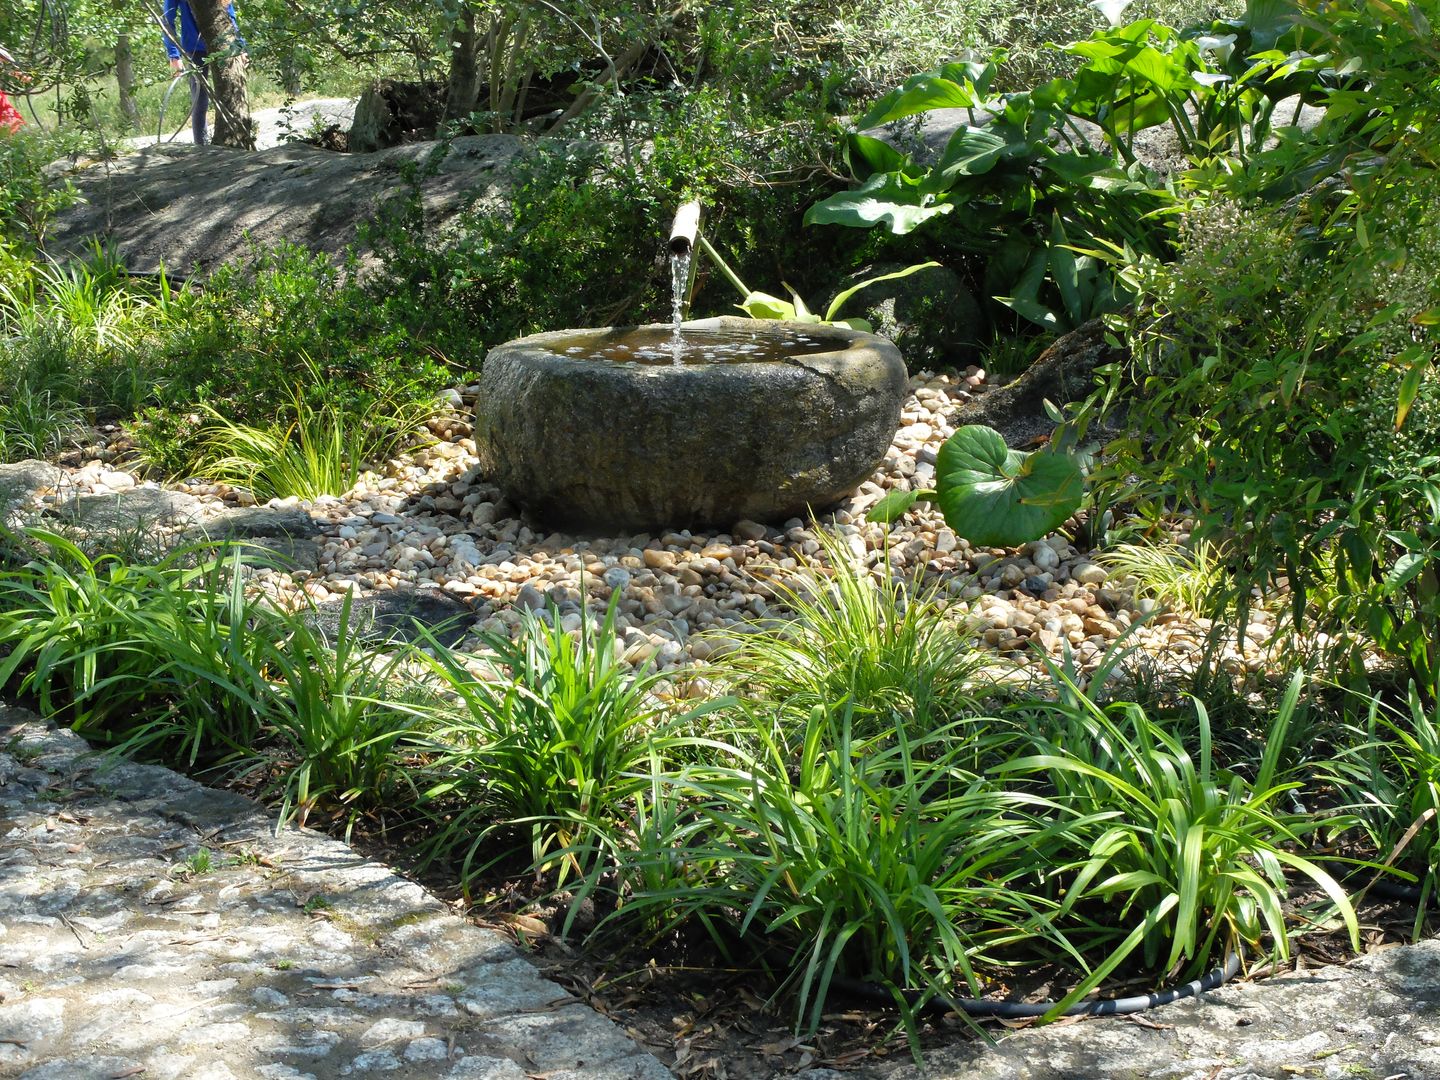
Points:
point(679, 278)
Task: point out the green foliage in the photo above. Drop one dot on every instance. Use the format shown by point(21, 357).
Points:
point(932, 861)
point(174, 660)
point(546, 736)
point(1388, 775)
point(885, 859)
point(853, 828)
point(78, 336)
point(992, 495)
point(1272, 363)
point(337, 719)
point(1198, 856)
point(885, 649)
point(1187, 578)
point(551, 256)
point(311, 452)
point(1048, 210)
point(28, 201)
point(759, 305)
point(152, 657)
point(37, 424)
point(371, 355)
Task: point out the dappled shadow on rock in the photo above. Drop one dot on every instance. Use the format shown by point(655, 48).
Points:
point(196, 207)
point(126, 510)
point(400, 615)
point(280, 534)
point(161, 928)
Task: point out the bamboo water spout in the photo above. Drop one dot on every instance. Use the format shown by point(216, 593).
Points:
point(685, 229)
point(684, 235)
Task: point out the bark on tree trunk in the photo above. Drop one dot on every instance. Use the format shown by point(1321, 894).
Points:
point(290, 73)
point(125, 81)
point(226, 72)
point(464, 84)
point(504, 86)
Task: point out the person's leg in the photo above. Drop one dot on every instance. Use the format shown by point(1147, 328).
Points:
point(199, 101)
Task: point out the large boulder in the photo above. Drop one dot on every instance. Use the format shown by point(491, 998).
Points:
point(598, 444)
point(391, 112)
point(23, 480)
point(195, 207)
point(930, 315)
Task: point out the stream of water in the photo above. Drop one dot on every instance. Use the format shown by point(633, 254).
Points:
point(679, 278)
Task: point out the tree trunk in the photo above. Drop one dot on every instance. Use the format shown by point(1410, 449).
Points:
point(464, 83)
point(125, 81)
point(226, 72)
point(504, 85)
point(290, 73)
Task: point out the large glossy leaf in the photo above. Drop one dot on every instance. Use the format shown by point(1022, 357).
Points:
point(997, 497)
point(970, 152)
point(759, 305)
point(1269, 21)
point(886, 198)
point(919, 93)
point(865, 155)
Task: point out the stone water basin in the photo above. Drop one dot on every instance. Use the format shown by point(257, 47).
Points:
point(607, 429)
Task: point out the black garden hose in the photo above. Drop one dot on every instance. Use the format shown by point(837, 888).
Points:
point(1379, 884)
point(1017, 1010)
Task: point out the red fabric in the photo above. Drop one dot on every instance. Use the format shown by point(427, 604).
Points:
point(10, 119)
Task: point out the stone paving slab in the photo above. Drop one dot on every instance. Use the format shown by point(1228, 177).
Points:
point(125, 951)
point(1377, 1018)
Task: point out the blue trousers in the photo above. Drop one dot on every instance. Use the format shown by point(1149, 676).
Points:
point(199, 100)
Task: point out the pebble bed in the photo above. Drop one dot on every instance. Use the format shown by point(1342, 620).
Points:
point(429, 519)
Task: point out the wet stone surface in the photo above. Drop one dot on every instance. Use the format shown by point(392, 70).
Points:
point(155, 928)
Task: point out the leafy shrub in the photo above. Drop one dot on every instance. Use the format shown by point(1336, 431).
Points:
point(579, 241)
point(311, 452)
point(1278, 437)
point(252, 331)
point(857, 638)
point(547, 741)
point(28, 201)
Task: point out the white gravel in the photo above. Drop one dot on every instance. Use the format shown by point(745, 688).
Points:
point(430, 519)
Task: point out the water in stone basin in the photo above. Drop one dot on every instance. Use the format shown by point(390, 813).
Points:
point(656, 346)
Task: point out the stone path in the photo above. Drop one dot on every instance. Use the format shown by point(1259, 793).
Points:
point(1375, 1019)
point(154, 928)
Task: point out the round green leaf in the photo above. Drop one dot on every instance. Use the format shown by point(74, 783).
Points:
point(997, 497)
